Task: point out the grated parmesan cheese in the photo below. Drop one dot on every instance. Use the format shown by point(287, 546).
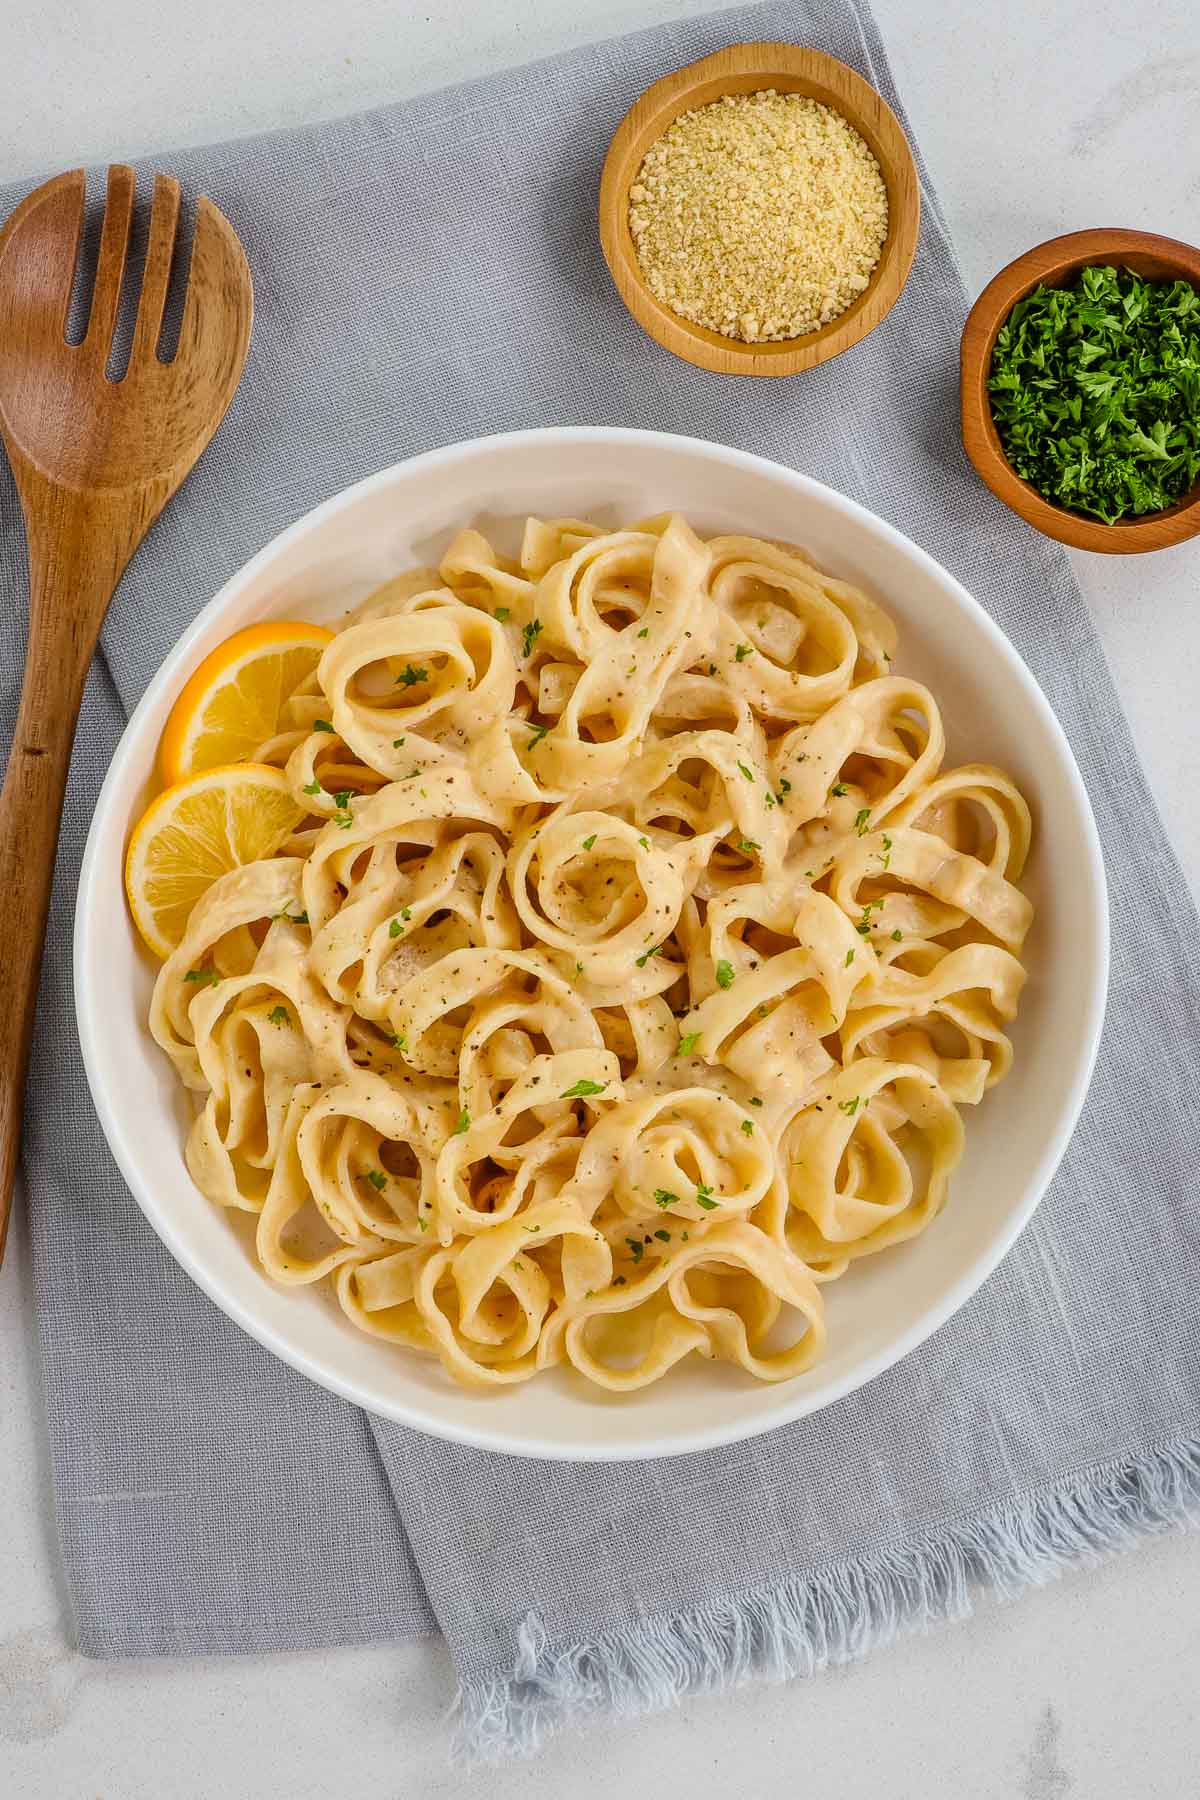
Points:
point(761, 216)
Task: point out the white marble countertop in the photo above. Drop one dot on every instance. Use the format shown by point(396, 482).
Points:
point(1035, 118)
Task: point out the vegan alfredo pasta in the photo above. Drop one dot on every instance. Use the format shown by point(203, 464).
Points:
point(629, 968)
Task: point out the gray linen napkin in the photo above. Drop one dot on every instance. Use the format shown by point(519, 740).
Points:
point(427, 273)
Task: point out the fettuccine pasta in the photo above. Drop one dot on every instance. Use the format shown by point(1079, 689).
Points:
point(629, 972)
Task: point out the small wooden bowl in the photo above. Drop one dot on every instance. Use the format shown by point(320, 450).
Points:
point(1057, 262)
point(747, 69)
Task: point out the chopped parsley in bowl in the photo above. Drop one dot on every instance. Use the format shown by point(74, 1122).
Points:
point(1095, 392)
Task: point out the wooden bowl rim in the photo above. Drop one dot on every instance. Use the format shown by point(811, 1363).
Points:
point(747, 68)
point(1054, 262)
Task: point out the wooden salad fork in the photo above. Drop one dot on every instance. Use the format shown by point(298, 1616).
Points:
point(95, 462)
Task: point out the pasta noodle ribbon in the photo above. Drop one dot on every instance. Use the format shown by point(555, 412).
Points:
point(627, 973)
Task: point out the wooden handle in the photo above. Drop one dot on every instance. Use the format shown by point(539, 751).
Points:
point(73, 574)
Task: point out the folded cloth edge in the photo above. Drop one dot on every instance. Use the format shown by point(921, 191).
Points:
point(839, 1615)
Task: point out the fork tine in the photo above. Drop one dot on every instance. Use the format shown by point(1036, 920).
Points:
point(110, 265)
point(219, 290)
point(164, 222)
point(43, 235)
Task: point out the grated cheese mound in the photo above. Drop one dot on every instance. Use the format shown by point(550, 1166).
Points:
point(761, 216)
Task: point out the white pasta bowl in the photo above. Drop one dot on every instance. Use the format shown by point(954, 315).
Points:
point(994, 711)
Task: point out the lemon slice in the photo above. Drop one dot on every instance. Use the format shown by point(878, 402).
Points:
point(197, 831)
point(231, 704)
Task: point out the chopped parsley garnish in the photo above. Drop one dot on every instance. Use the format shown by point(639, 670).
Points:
point(838, 789)
point(618, 1281)
point(377, 1179)
point(644, 842)
point(748, 773)
point(589, 841)
point(785, 787)
point(343, 798)
point(322, 725)
point(1095, 392)
point(529, 636)
point(636, 1249)
point(742, 652)
point(279, 1015)
point(536, 734)
point(646, 955)
point(748, 846)
point(410, 675)
point(397, 743)
point(644, 632)
point(343, 819)
point(462, 1123)
point(502, 614)
point(582, 1090)
point(748, 1127)
point(203, 977)
point(724, 974)
point(664, 1198)
point(704, 1197)
point(849, 957)
point(896, 936)
point(664, 1237)
point(860, 820)
point(885, 855)
point(756, 1101)
point(399, 1042)
point(850, 1107)
point(312, 787)
point(300, 918)
point(395, 928)
point(687, 1043)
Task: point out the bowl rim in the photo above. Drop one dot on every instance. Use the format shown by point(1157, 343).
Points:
point(746, 68)
point(1057, 260)
point(792, 1401)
